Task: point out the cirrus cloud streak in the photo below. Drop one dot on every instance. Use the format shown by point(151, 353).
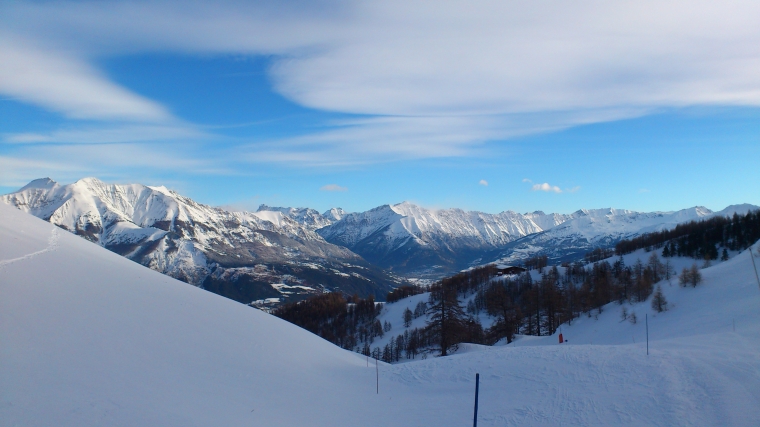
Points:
point(431, 79)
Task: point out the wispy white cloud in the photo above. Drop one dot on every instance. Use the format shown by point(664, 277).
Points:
point(69, 85)
point(156, 162)
point(546, 187)
point(574, 189)
point(437, 79)
point(333, 187)
point(643, 190)
point(483, 182)
point(16, 171)
point(526, 180)
point(91, 134)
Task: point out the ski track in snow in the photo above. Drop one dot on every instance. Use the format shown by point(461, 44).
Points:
point(52, 245)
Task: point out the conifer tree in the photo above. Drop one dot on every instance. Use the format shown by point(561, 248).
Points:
point(408, 317)
point(659, 302)
point(500, 306)
point(447, 323)
point(690, 276)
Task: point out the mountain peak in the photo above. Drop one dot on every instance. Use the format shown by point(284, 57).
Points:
point(90, 181)
point(334, 214)
point(262, 207)
point(162, 189)
point(740, 209)
point(42, 183)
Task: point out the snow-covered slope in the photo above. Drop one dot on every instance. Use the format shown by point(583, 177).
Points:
point(91, 339)
point(236, 254)
point(602, 228)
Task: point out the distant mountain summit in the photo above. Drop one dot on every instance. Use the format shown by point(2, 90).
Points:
point(416, 241)
point(307, 217)
point(240, 255)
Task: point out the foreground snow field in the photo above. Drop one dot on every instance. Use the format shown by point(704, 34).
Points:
point(88, 338)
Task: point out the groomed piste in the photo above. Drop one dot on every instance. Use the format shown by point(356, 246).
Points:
point(88, 338)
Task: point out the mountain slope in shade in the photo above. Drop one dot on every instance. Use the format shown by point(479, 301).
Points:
point(236, 254)
point(91, 339)
point(417, 241)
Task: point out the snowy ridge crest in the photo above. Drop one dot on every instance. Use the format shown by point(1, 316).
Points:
point(187, 240)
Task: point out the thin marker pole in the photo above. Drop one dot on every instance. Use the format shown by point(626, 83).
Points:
point(754, 267)
point(477, 386)
point(377, 378)
point(646, 319)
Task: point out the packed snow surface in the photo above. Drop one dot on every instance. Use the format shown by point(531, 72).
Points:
point(89, 338)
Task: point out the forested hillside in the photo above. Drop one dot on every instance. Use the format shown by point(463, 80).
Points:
point(700, 239)
point(482, 307)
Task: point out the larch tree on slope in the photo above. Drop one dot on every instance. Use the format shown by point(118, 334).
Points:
point(448, 321)
point(659, 302)
point(499, 305)
point(691, 276)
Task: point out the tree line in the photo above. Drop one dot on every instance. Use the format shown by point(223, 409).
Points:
point(352, 323)
point(345, 322)
point(404, 292)
point(519, 305)
point(700, 239)
point(522, 305)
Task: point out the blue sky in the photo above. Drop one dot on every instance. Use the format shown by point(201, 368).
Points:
point(480, 105)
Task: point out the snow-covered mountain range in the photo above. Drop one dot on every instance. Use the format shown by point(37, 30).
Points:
point(242, 255)
point(602, 228)
point(418, 242)
point(309, 218)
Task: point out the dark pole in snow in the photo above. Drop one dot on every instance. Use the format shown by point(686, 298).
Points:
point(377, 378)
point(754, 267)
point(646, 319)
point(477, 386)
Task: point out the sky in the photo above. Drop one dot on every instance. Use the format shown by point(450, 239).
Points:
point(481, 105)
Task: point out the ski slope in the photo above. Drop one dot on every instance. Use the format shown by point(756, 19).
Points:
point(89, 338)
